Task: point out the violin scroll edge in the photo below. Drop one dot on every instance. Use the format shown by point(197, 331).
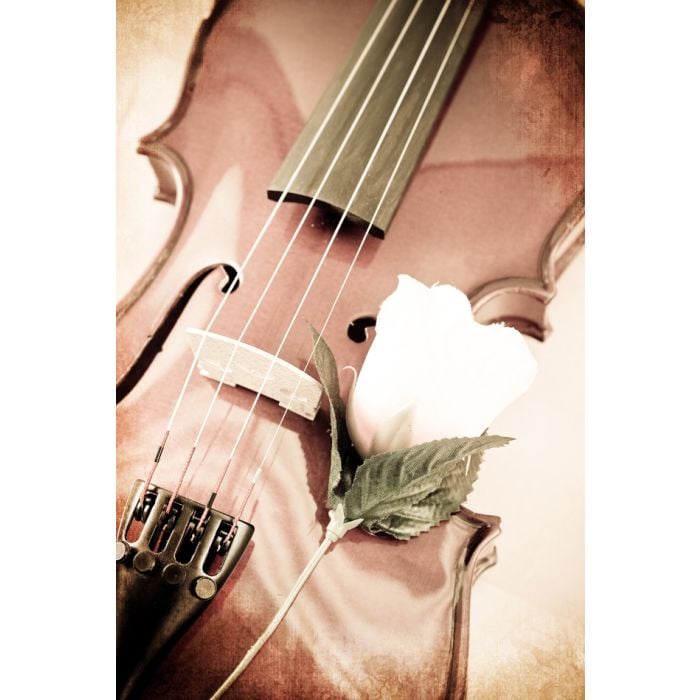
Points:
point(522, 302)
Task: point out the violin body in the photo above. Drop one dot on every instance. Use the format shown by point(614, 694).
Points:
point(495, 208)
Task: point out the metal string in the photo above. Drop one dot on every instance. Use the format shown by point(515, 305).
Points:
point(426, 102)
point(259, 238)
point(327, 174)
point(378, 145)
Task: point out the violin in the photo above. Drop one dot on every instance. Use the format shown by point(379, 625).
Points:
point(446, 142)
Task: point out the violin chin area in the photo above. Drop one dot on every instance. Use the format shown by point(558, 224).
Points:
point(173, 556)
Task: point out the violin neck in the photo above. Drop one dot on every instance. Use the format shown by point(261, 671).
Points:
point(373, 202)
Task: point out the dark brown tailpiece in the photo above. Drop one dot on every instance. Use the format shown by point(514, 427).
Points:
point(167, 574)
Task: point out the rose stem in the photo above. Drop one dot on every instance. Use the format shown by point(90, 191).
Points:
point(276, 620)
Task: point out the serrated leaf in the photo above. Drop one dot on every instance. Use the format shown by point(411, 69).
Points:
point(400, 528)
point(343, 456)
point(434, 508)
point(411, 521)
point(420, 488)
point(391, 481)
point(458, 486)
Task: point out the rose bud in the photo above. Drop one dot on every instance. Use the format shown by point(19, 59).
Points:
point(433, 372)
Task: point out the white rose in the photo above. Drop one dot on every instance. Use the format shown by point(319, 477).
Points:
point(433, 372)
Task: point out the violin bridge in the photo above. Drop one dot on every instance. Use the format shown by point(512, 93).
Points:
point(256, 370)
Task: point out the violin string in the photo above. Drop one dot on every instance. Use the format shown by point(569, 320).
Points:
point(441, 69)
point(329, 170)
point(359, 184)
point(327, 174)
point(263, 231)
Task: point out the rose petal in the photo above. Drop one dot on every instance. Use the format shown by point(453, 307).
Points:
point(394, 433)
point(386, 383)
point(433, 372)
point(472, 384)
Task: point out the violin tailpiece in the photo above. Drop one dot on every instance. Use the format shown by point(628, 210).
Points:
point(167, 574)
point(256, 370)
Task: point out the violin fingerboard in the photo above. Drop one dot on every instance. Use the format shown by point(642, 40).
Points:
point(337, 190)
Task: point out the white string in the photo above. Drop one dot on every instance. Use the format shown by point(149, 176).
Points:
point(378, 145)
point(404, 150)
point(338, 526)
point(327, 174)
point(260, 236)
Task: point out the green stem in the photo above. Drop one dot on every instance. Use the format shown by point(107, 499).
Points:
point(276, 620)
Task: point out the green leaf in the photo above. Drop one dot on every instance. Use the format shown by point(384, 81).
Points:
point(343, 455)
point(434, 508)
point(413, 520)
point(459, 485)
point(404, 527)
point(390, 482)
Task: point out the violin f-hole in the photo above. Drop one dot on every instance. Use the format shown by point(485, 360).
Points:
point(167, 321)
point(357, 329)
